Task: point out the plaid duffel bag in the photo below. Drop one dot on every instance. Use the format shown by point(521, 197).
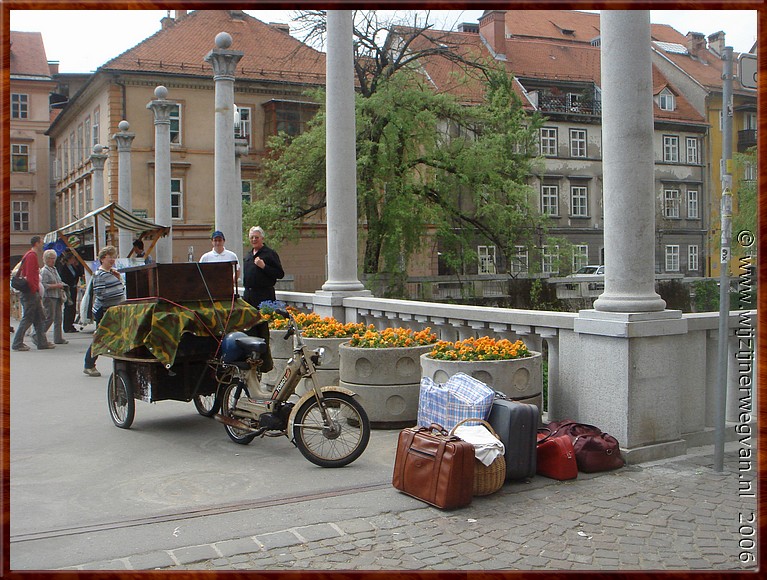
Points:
point(461, 397)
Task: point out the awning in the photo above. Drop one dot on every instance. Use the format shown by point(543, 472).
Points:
point(115, 217)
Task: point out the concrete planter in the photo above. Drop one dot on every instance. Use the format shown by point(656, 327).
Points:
point(387, 381)
point(282, 350)
point(519, 379)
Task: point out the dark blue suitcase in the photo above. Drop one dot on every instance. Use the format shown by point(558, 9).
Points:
point(517, 426)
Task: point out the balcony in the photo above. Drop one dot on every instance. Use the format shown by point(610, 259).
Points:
point(565, 104)
point(746, 139)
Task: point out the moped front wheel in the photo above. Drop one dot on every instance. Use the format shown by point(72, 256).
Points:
point(207, 405)
point(339, 443)
point(231, 395)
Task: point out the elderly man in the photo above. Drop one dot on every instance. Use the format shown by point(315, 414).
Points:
point(261, 269)
point(33, 313)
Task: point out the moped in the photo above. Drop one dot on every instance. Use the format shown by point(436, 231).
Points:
point(327, 424)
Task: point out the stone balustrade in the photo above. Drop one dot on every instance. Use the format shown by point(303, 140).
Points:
point(539, 329)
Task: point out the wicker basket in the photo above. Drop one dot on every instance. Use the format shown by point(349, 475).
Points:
point(487, 478)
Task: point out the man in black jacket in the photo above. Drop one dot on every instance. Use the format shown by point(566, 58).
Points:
point(70, 271)
point(261, 269)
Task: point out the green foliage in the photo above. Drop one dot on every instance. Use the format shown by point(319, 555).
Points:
point(425, 163)
point(706, 295)
point(744, 208)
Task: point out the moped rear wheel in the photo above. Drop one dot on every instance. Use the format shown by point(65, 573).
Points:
point(336, 445)
point(231, 395)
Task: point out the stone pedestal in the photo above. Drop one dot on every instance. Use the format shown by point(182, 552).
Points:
point(627, 373)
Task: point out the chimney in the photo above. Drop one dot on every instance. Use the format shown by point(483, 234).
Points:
point(471, 27)
point(166, 21)
point(180, 15)
point(282, 27)
point(492, 27)
point(53, 67)
point(716, 42)
point(696, 41)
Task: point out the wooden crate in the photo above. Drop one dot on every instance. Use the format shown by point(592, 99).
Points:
point(182, 282)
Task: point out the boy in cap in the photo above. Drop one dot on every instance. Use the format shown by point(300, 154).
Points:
point(220, 254)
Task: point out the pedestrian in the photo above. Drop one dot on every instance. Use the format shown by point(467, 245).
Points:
point(54, 293)
point(138, 251)
point(31, 301)
point(262, 269)
point(70, 272)
point(108, 291)
point(219, 253)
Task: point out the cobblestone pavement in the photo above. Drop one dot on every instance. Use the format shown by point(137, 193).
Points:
point(675, 514)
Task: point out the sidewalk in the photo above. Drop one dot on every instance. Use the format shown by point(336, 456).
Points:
point(674, 514)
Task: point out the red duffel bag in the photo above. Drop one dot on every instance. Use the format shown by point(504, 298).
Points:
point(594, 450)
point(555, 456)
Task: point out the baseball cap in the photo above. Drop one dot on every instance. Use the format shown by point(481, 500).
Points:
point(217, 234)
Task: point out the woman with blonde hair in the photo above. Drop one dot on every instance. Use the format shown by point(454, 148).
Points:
point(54, 296)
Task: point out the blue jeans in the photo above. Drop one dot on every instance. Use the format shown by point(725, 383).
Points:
point(90, 361)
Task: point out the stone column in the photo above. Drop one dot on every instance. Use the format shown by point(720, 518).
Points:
point(240, 151)
point(124, 192)
point(627, 364)
point(228, 195)
point(341, 170)
point(162, 108)
point(98, 160)
point(628, 164)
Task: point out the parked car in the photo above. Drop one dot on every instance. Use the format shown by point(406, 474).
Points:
point(590, 271)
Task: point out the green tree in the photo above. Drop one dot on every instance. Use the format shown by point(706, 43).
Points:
point(744, 209)
point(425, 162)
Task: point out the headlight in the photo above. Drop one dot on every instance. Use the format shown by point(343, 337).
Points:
point(319, 356)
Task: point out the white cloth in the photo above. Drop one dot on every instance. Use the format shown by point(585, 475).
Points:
point(486, 446)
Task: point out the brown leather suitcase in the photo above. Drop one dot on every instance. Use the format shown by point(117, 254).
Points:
point(435, 467)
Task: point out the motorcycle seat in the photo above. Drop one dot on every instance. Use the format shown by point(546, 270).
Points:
point(252, 344)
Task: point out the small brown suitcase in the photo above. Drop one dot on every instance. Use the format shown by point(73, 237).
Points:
point(435, 467)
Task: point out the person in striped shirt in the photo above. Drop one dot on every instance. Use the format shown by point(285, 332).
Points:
point(108, 290)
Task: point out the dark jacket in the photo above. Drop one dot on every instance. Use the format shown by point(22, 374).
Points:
point(259, 283)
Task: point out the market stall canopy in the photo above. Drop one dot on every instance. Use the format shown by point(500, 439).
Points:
point(114, 217)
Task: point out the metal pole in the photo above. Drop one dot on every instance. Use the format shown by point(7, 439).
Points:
point(724, 278)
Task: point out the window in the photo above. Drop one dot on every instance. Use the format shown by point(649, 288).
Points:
point(550, 259)
point(666, 100)
point(176, 198)
point(87, 137)
point(749, 121)
point(672, 258)
point(692, 258)
point(19, 158)
point(549, 141)
point(693, 211)
point(288, 117)
point(580, 256)
point(65, 160)
point(20, 216)
point(81, 203)
point(175, 125)
point(243, 131)
point(486, 256)
point(246, 191)
point(671, 203)
point(519, 262)
point(749, 172)
point(670, 148)
point(574, 102)
point(579, 203)
point(96, 127)
point(88, 196)
point(80, 148)
point(19, 106)
point(72, 151)
point(693, 158)
point(577, 142)
point(550, 199)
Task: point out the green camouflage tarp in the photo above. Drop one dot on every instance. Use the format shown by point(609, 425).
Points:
point(159, 325)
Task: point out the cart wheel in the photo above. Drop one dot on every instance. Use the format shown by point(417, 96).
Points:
point(207, 405)
point(122, 406)
point(228, 402)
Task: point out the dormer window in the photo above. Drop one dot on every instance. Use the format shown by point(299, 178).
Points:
point(666, 100)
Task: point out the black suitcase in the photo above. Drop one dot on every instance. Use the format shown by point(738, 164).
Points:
point(517, 426)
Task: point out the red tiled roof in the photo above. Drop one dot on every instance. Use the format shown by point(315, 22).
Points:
point(683, 111)
point(180, 48)
point(548, 59)
point(570, 25)
point(28, 54)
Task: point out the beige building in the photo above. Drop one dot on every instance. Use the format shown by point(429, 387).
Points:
point(31, 83)
point(270, 82)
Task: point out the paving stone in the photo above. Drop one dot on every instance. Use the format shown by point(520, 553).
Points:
point(278, 540)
